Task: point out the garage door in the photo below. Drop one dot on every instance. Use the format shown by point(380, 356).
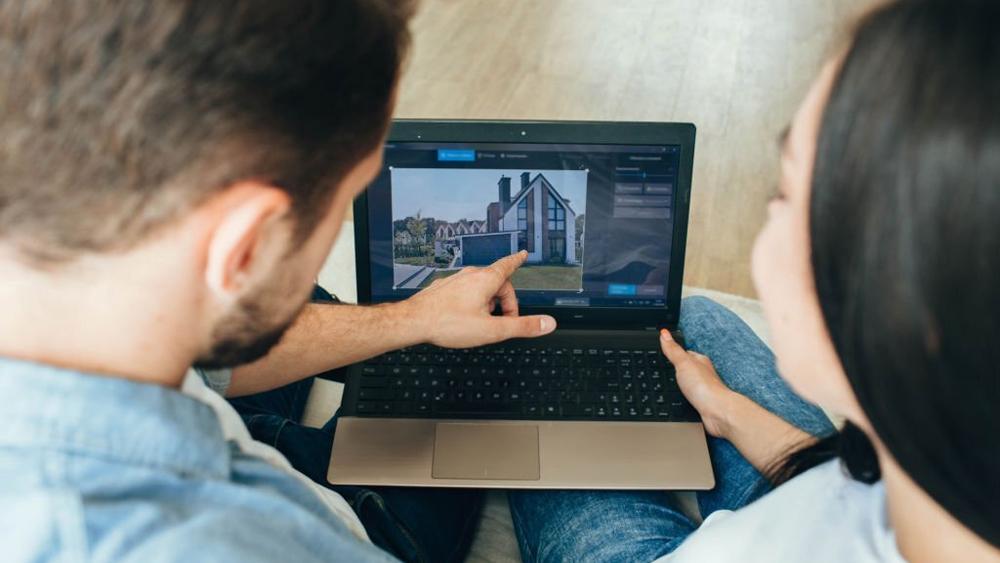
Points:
point(484, 250)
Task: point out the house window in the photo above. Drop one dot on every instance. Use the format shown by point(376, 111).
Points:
point(522, 224)
point(557, 215)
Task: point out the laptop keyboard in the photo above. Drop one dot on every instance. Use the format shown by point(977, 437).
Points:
point(522, 382)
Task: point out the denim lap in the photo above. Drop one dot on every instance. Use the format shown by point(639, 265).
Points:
point(645, 525)
point(747, 366)
point(606, 526)
point(745, 363)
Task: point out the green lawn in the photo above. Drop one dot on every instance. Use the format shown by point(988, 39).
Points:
point(533, 277)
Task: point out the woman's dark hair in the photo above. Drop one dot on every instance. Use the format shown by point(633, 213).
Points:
point(905, 229)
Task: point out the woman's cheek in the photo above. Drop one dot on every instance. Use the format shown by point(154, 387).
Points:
point(774, 272)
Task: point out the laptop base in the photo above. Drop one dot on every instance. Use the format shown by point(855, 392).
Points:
point(570, 454)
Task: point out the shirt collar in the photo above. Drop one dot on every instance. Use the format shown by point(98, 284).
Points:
point(45, 407)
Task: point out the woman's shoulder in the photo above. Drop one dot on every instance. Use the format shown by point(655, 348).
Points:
point(821, 515)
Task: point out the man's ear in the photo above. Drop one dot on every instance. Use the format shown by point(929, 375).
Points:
point(245, 233)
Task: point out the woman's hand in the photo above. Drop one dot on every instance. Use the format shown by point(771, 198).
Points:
point(760, 435)
point(701, 385)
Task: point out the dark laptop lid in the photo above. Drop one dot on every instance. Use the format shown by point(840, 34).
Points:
point(601, 208)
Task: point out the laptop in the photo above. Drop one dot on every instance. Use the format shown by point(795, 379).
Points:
point(602, 210)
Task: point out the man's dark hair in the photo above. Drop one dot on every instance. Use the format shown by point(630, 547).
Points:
point(906, 250)
point(118, 116)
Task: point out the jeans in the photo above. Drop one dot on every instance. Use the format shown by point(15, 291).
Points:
point(410, 523)
point(645, 525)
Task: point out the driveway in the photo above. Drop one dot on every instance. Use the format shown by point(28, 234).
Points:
point(406, 276)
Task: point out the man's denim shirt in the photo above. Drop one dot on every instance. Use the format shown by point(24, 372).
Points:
point(103, 469)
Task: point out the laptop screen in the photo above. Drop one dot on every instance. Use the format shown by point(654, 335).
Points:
point(596, 220)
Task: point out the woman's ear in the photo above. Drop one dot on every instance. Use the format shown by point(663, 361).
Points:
point(246, 237)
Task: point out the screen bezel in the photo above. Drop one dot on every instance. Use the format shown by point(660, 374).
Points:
point(559, 132)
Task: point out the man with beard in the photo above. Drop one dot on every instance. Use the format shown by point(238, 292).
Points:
point(172, 177)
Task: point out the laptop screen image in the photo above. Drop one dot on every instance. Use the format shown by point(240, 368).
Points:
point(595, 219)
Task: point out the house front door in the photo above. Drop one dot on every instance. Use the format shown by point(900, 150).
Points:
point(557, 249)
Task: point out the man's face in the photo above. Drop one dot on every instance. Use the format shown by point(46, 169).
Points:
point(268, 308)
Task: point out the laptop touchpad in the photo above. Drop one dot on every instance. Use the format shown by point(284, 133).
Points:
point(486, 451)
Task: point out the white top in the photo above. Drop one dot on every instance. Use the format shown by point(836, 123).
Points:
point(821, 516)
point(236, 431)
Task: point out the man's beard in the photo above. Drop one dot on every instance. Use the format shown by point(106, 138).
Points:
point(249, 332)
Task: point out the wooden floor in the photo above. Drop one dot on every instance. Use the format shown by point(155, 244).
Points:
point(735, 68)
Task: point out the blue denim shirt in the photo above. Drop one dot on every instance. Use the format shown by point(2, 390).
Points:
point(103, 469)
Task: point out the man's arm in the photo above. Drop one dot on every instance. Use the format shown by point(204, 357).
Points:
point(453, 312)
point(327, 336)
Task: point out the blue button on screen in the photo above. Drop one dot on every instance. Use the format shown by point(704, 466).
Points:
point(456, 155)
point(621, 289)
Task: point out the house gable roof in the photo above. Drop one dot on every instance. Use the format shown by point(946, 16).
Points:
point(524, 191)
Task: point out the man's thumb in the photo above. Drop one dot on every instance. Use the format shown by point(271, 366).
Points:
point(525, 327)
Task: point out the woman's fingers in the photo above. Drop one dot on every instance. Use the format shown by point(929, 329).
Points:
point(671, 349)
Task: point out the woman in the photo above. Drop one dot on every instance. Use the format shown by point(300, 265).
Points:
point(877, 270)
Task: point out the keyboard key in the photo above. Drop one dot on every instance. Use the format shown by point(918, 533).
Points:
point(373, 382)
point(376, 394)
point(479, 410)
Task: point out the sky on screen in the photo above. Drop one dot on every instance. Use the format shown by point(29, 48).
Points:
point(455, 194)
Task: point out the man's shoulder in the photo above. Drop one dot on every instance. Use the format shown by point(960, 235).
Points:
point(234, 535)
point(44, 523)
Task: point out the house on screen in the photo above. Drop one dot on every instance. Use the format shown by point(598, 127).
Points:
point(537, 219)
